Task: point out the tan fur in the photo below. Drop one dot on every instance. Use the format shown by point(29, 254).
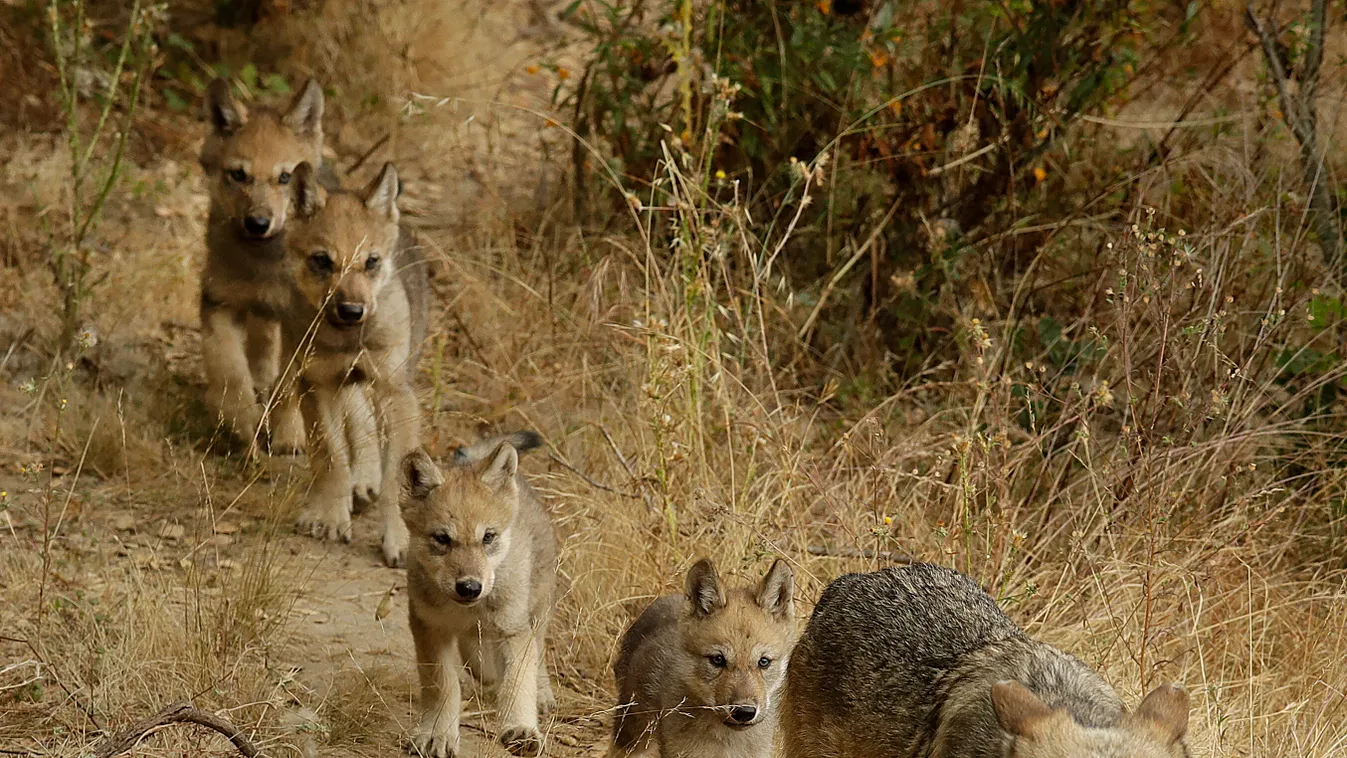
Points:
point(691, 677)
point(242, 287)
point(481, 580)
point(355, 320)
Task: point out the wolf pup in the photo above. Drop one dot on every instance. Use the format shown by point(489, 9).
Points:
point(697, 673)
point(355, 322)
point(250, 161)
point(481, 576)
point(920, 661)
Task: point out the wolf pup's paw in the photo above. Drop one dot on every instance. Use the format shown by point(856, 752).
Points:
point(366, 477)
point(325, 522)
point(395, 544)
point(522, 740)
point(430, 744)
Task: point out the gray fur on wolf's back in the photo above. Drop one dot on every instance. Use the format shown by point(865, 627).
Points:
point(908, 656)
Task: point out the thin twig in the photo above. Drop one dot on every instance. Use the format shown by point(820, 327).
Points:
point(1300, 114)
point(597, 485)
point(374, 149)
point(617, 452)
point(177, 713)
point(855, 552)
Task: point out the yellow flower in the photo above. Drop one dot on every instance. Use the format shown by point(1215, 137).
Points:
point(888, 520)
point(532, 69)
point(720, 175)
point(1040, 174)
point(824, 6)
point(563, 74)
point(878, 58)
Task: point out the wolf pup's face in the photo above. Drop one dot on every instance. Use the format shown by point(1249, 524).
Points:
point(251, 161)
point(460, 521)
point(735, 644)
point(341, 246)
point(1155, 730)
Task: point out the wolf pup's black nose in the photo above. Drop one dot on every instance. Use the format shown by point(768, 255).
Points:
point(351, 313)
point(743, 714)
point(468, 589)
point(257, 226)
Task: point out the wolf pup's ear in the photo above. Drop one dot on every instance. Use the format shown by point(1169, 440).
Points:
point(500, 471)
point(305, 116)
point(776, 593)
point(309, 193)
point(381, 196)
point(226, 114)
point(1018, 710)
point(703, 588)
point(420, 475)
point(1166, 709)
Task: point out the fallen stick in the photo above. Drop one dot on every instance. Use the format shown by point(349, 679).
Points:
point(177, 713)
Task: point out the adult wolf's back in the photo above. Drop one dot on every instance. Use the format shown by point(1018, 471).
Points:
point(920, 662)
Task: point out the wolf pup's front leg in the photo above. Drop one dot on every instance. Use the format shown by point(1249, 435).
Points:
point(328, 515)
point(362, 433)
point(437, 666)
point(402, 419)
point(517, 698)
point(230, 392)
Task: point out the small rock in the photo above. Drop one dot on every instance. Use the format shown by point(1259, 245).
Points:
point(171, 531)
point(221, 540)
point(124, 522)
point(226, 527)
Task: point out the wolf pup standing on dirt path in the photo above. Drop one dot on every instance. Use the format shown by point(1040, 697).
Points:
point(698, 673)
point(355, 323)
point(481, 579)
point(920, 662)
point(250, 162)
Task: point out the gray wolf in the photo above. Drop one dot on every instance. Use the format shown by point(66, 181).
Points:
point(919, 661)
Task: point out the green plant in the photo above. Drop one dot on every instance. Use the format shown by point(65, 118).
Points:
point(944, 114)
point(93, 87)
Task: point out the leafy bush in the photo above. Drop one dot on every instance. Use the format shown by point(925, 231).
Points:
point(943, 112)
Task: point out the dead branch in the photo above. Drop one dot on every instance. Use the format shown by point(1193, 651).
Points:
point(595, 484)
point(855, 552)
point(1301, 114)
point(177, 713)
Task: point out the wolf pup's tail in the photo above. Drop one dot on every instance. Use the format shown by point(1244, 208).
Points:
point(522, 441)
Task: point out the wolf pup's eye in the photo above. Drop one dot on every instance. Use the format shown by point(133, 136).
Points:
point(321, 263)
point(717, 660)
point(442, 539)
point(488, 538)
point(284, 178)
point(764, 662)
point(238, 175)
point(371, 263)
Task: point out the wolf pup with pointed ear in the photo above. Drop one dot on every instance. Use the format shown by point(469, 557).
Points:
point(698, 674)
point(481, 579)
point(356, 320)
point(249, 157)
point(920, 661)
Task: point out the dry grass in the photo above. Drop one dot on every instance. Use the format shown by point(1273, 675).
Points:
point(1194, 533)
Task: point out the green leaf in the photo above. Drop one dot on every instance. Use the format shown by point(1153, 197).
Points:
point(248, 75)
point(276, 83)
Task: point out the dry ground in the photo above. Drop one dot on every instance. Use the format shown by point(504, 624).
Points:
point(139, 565)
